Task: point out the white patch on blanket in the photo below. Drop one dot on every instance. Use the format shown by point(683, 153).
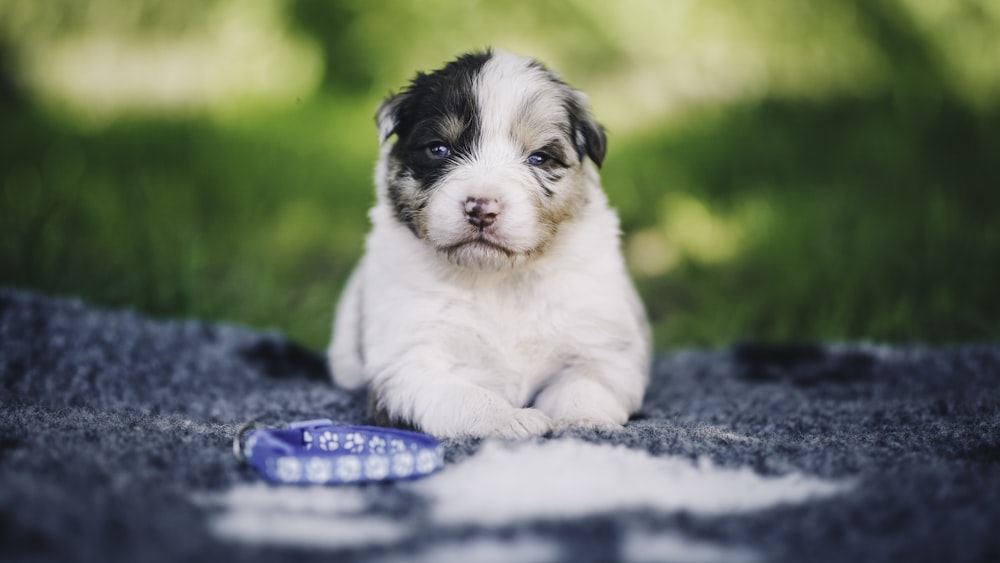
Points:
point(570, 478)
point(668, 548)
point(521, 550)
point(294, 516)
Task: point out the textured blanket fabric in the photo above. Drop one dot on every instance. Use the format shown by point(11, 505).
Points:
point(115, 435)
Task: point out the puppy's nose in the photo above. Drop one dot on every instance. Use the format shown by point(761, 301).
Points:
point(481, 212)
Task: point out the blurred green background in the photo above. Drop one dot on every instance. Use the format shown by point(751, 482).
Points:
point(784, 170)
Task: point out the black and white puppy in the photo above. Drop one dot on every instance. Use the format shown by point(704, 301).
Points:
point(492, 299)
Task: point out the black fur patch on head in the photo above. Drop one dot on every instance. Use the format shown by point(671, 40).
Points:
point(439, 107)
point(447, 92)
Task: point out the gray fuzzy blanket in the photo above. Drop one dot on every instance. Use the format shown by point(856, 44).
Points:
point(115, 435)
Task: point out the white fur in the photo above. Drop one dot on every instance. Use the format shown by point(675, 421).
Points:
point(549, 334)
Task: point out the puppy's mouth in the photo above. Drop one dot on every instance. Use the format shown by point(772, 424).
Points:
point(479, 243)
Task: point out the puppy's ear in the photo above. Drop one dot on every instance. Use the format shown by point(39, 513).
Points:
point(387, 116)
point(589, 134)
point(590, 139)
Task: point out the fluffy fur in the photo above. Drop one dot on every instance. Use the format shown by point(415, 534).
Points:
point(492, 299)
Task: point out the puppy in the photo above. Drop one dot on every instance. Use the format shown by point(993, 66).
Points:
point(492, 299)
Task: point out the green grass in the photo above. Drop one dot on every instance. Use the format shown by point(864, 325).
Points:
point(878, 226)
point(254, 223)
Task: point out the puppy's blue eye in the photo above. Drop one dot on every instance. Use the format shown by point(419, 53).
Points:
point(537, 158)
point(438, 150)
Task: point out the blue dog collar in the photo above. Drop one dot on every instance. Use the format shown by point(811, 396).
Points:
point(315, 452)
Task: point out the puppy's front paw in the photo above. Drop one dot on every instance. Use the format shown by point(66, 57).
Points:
point(475, 412)
point(525, 423)
point(509, 424)
point(582, 403)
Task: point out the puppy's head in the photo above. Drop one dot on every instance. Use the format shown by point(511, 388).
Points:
point(489, 158)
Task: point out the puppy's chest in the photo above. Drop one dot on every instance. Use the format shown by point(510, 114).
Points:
point(510, 332)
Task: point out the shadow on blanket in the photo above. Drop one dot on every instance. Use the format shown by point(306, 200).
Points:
point(115, 433)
